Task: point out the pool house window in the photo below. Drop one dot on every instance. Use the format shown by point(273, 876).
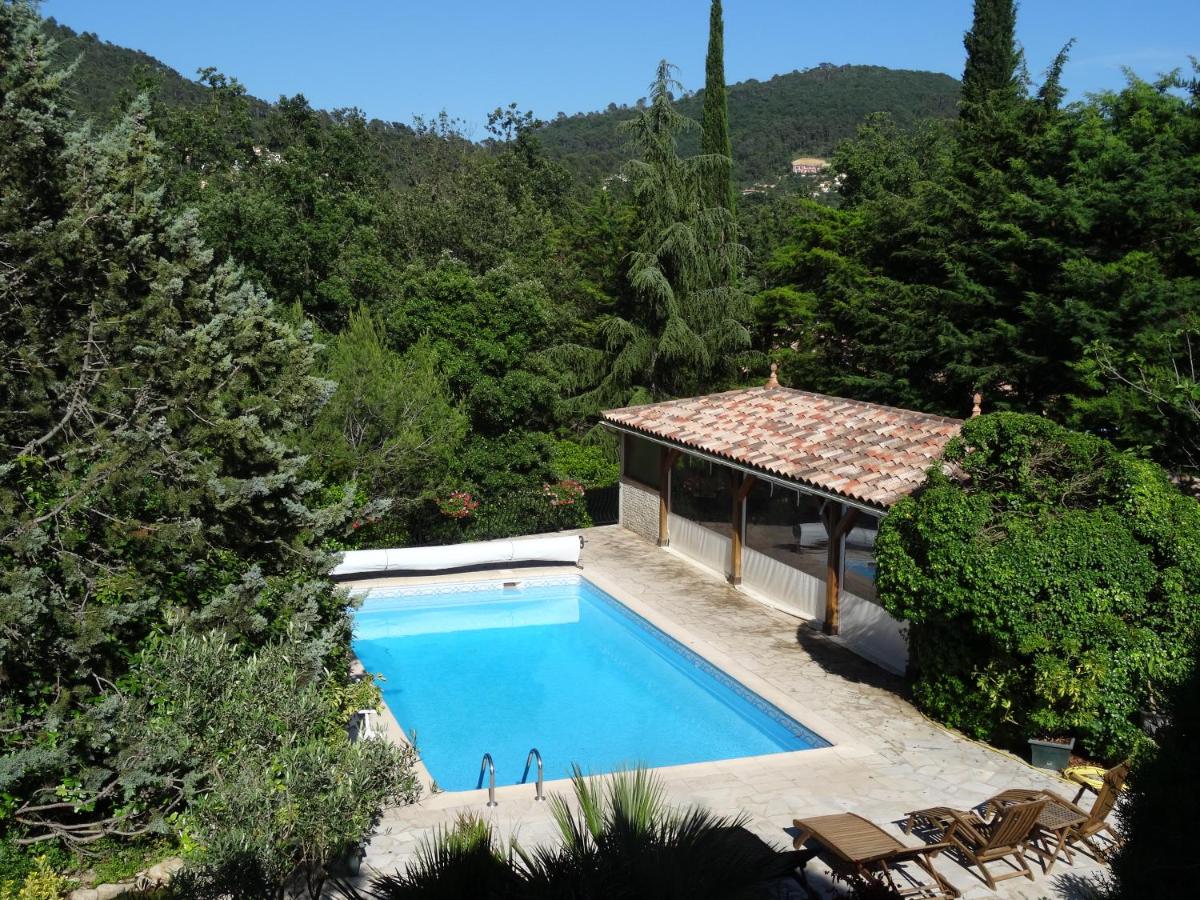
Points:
point(642, 461)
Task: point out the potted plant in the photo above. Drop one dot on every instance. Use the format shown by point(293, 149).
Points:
point(1052, 752)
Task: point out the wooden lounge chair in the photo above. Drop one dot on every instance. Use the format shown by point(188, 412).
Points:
point(1086, 825)
point(1003, 838)
point(860, 847)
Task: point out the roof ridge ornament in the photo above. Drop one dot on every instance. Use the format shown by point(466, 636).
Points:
point(773, 381)
point(978, 407)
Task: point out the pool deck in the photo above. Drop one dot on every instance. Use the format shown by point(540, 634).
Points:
point(886, 758)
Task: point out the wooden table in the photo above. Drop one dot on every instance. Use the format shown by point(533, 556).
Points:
point(861, 847)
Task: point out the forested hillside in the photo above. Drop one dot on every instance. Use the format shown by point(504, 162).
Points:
point(801, 113)
point(105, 72)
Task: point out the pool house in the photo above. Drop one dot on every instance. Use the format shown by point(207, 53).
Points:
point(782, 491)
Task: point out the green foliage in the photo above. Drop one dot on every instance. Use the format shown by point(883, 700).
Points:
point(1157, 858)
point(122, 860)
point(151, 400)
point(772, 121)
point(21, 865)
point(682, 324)
point(993, 67)
point(714, 123)
point(619, 840)
point(384, 438)
point(992, 252)
point(460, 861)
point(592, 465)
point(478, 326)
point(1148, 398)
point(103, 72)
point(283, 790)
point(1051, 585)
point(274, 783)
point(41, 883)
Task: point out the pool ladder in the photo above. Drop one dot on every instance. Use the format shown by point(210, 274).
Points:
point(488, 766)
point(534, 754)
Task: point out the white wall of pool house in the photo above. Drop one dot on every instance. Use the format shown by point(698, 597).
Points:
point(866, 628)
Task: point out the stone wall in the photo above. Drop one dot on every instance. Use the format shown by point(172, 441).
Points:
point(639, 508)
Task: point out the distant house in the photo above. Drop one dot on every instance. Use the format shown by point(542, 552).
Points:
point(809, 165)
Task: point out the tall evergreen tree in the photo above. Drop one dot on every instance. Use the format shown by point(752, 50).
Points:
point(150, 398)
point(993, 68)
point(677, 328)
point(714, 124)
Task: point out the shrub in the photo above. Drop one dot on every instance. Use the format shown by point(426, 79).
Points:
point(592, 465)
point(275, 791)
point(1050, 581)
point(1158, 816)
point(41, 882)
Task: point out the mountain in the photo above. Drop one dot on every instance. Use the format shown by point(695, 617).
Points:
point(105, 73)
point(802, 113)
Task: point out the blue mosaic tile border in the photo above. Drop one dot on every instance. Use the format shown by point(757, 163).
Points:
point(773, 712)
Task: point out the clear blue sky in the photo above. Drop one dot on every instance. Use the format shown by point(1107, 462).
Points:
point(394, 58)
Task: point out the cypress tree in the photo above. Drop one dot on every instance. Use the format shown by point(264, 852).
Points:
point(992, 72)
point(714, 127)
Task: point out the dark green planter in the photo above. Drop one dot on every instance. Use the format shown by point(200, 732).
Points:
point(1050, 754)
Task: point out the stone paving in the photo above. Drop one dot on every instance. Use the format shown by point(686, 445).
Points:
point(886, 757)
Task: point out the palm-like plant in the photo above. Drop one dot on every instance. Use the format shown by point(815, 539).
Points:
point(457, 862)
point(619, 839)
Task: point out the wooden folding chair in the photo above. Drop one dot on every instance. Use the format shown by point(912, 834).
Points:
point(1003, 838)
point(1080, 827)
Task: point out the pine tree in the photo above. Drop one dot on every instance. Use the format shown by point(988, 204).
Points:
point(993, 69)
point(714, 125)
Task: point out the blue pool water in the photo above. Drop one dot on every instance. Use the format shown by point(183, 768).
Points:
point(560, 665)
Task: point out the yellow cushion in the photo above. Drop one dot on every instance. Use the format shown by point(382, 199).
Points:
point(1092, 776)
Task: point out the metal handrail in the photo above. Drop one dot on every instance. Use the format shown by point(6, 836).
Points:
point(534, 754)
point(487, 765)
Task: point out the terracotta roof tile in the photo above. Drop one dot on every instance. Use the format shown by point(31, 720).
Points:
point(869, 453)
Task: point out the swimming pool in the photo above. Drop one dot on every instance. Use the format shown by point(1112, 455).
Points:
point(557, 664)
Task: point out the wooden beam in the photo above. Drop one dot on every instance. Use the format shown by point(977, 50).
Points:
point(666, 460)
point(837, 522)
point(739, 489)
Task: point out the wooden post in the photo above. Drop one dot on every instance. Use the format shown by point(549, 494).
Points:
point(739, 489)
point(666, 460)
point(837, 523)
